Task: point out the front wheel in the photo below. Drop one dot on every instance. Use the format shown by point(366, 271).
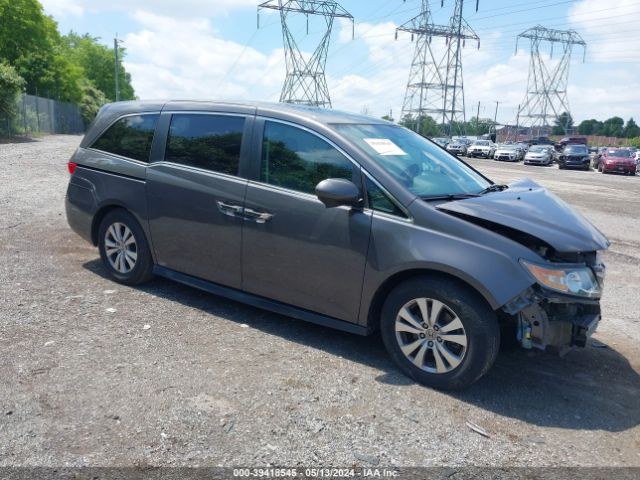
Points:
point(439, 332)
point(124, 249)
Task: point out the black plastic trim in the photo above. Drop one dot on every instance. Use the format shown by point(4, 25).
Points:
point(260, 302)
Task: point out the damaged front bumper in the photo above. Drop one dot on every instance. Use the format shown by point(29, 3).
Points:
point(553, 321)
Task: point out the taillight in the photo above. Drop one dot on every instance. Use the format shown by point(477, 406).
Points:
point(71, 166)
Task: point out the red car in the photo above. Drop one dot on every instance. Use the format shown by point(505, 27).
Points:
point(617, 160)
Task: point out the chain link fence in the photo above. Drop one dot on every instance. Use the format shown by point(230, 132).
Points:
point(33, 115)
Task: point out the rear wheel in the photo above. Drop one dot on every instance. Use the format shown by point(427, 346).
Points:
point(439, 332)
point(124, 249)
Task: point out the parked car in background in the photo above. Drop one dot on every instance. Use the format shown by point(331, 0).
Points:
point(457, 147)
point(574, 156)
point(481, 148)
point(442, 141)
point(617, 160)
point(342, 220)
point(570, 141)
point(509, 153)
point(539, 155)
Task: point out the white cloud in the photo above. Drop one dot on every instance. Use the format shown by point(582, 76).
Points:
point(182, 9)
point(609, 32)
point(186, 58)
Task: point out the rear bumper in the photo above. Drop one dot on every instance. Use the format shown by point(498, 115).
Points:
point(80, 206)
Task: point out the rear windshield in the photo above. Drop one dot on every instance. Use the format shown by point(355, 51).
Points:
point(576, 149)
point(536, 149)
point(619, 153)
point(425, 169)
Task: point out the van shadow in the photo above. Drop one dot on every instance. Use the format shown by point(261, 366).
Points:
point(591, 388)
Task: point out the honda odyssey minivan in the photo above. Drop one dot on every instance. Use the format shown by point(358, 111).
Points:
point(342, 220)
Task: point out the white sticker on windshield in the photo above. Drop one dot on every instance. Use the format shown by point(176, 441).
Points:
point(384, 146)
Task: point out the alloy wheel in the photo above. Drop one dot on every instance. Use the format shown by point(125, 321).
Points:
point(431, 335)
point(121, 248)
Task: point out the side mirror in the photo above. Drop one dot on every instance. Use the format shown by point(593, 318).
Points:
point(334, 192)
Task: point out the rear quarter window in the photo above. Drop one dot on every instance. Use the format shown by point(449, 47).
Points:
point(129, 137)
point(208, 141)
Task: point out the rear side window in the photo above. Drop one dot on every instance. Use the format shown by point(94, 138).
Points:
point(295, 159)
point(129, 137)
point(211, 142)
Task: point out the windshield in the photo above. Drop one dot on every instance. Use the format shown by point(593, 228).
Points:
point(619, 153)
point(414, 161)
point(507, 147)
point(484, 143)
point(579, 149)
point(538, 149)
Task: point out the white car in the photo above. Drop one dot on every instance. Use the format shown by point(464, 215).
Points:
point(481, 148)
point(509, 153)
point(539, 155)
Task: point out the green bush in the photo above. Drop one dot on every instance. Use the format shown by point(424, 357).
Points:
point(11, 84)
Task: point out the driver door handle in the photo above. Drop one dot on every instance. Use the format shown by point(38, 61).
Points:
point(256, 216)
point(230, 209)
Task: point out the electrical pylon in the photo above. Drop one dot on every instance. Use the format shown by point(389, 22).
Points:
point(436, 87)
point(546, 97)
point(305, 82)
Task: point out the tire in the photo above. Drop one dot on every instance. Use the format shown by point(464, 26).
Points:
point(127, 262)
point(453, 300)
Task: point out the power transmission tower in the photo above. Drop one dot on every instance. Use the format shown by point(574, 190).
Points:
point(305, 82)
point(546, 97)
point(436, 87)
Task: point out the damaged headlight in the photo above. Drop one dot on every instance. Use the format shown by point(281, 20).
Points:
point(578, 280)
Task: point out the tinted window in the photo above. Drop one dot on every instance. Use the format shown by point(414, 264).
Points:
point(576, 149)
point(299, 160)
point(378, 200)
point(129, 137)
point(211, 142)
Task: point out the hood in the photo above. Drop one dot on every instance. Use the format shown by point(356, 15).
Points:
point(532, 209)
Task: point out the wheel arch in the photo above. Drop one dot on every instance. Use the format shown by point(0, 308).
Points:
point(379, 297)
point(102, 212)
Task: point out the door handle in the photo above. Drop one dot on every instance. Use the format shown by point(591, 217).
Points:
point(230, 209)
point(258, 217)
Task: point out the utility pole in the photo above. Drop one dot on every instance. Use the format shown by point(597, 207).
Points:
point(495, 120)
point(116, 44)
point(518, 124)
point(546, 96)
point(431, 80)
point(478, 119)
point(305, 81)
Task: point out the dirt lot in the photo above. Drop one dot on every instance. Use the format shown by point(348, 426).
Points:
point(213, 382)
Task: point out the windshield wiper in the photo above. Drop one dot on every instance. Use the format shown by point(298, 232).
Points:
point(494, 188)
point(449, 196)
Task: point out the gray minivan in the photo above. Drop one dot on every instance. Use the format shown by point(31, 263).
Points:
point(338, 219)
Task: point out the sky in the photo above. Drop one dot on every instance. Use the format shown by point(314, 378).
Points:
point(198, 49)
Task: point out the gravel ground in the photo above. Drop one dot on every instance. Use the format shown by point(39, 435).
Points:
point(213, 382)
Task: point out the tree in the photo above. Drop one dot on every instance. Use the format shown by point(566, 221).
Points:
point(428, 126)
point(388, 118)
point(590, 127)
point(562, 124)
point(97, 61)
point(631, 129)
point(92, 100)
point(613, 127)
point(11, 84)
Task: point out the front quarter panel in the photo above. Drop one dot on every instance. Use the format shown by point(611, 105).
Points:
point(438, 242)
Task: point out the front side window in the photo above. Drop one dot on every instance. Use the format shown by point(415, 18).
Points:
point(298, 160)
point(418, 164)
point(211, 142)
point(379, 201)
point(129, 137)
